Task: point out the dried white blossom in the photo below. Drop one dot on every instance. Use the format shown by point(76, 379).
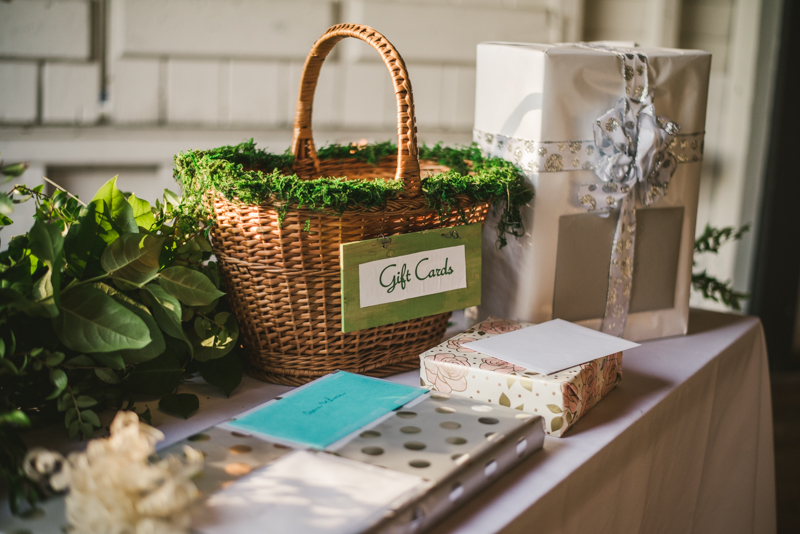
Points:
point(114, 488)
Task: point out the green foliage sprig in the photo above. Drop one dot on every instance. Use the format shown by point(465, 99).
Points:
point(711, 288)
point(249, 175)
point(99, 305)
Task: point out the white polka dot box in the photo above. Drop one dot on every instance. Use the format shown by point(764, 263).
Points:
point(560, 398)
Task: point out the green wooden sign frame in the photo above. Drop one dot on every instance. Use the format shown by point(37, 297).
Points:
point(354, 317)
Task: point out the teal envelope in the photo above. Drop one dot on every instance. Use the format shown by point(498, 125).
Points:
point(328, 409)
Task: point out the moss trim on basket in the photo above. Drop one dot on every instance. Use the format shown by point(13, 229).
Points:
point(249, 175)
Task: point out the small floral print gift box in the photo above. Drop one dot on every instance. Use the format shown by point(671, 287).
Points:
point(560, 398)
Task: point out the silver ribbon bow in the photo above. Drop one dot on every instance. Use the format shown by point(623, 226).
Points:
point(633, 143)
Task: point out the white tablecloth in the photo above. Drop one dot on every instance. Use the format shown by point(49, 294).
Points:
point(683, 444)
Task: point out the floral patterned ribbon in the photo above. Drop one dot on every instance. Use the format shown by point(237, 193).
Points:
point(633, 150)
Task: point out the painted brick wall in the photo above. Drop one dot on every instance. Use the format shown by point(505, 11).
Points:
point(222, 64)
point(149, 77)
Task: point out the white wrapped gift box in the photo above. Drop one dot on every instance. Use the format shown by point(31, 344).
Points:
point(545, 107)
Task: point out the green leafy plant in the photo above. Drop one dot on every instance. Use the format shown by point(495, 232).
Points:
point(101, 304)
point(711, 288)
point(245, 174)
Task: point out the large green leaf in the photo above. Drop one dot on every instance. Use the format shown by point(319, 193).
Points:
point(225, 372)
point(156, 377)
point(91, 321)
point(45, 293)
point(188, 286)
point(112, 360)
point(133, 258)
point(156, 346)
point(114, 213)
point(167, 312)
point(46, 242)
point(142, 212)
point(85, 243)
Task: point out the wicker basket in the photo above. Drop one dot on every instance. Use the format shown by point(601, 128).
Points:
point(283, 279)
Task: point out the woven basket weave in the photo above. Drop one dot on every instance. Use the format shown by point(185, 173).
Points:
point(283, 279)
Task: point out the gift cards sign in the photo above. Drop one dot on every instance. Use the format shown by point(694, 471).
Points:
point(393, 279)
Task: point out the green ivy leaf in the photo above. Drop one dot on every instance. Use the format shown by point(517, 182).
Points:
point(113, 212)
point(73, 429)
point(59, 379)
point(8, 364)
point(91, 321)
point(156, 377)
point(142, 212)
point(64, 401)
point(188, 286)
point(84, 401)
point(89, 416)
point(133, 257)
point(46, 242)
point(181, 404)
point(87, 431)
point(71, 416)
point(224, 373)
point(54, 358)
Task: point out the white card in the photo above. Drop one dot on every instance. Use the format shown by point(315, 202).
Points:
point(305, 493)
point(412, 275)
point(551, 347)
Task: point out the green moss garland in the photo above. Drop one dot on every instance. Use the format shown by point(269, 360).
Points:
point(253, 176)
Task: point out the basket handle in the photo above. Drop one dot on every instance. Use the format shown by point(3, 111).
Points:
point(407, 153)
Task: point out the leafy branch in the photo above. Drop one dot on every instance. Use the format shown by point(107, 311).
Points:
point(100, 304)
point(709, 286)
point(713, 238)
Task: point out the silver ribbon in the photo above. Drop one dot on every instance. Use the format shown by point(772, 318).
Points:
point(633, 150)
point(632, 142)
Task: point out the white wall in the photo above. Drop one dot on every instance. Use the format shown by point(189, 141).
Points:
point(90, 86)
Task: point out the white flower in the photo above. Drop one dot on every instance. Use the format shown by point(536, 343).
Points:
point(115, 489)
